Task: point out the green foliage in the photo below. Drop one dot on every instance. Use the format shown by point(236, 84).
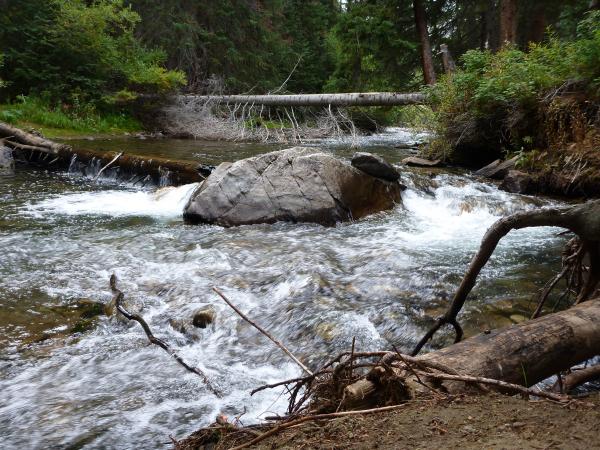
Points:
point(73, 50)
point(501, 94)
point(82, 118)
point(374, 45)
point(243, 44)
point(306, 27)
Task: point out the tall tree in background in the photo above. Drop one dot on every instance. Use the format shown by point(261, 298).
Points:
point(426, 58)
point(306, 25)
point(375, 48)
point(508, 22)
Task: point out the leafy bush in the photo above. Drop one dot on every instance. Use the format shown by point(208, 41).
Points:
point(77, 51)
point(496, 100)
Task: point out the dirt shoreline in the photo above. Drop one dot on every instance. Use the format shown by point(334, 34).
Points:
point(492, 422)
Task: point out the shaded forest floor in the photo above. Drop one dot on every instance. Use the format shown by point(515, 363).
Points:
point(490, 422)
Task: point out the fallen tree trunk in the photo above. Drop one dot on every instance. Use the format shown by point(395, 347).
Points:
point(22, 137)
point(161, 171)
point(347, 99)
point(531, 351)
point(523, 354)
point(46, 153)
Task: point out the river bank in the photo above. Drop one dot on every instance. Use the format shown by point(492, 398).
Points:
point(490, 422)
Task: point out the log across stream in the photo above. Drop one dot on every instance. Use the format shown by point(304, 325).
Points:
point(68, 380)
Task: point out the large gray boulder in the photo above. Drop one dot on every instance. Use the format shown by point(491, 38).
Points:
point(296, 185)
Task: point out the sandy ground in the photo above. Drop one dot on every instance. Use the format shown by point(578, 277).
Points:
point(491, 422)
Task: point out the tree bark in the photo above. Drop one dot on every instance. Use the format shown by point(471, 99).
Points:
point(531, 351)
point(537, 29)
point(18, 135)
point(345, 99)
point(508, 22)
point(447, 60)
point(492, 26)
point(426, 58)
point(523, 355)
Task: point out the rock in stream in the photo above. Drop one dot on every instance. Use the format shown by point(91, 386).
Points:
point(296, 185)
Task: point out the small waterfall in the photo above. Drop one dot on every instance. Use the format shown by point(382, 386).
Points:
point(166, 202)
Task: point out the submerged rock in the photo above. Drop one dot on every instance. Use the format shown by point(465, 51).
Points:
point(375, 165)
point(296, 185)
point(7, 162)
point(204, 317)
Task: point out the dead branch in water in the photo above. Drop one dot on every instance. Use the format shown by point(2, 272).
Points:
point(118, 298)
point(208, 118)
point(110, 163)
point(583, 220)
point(263, 331)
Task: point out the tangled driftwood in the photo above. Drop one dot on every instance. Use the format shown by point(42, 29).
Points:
point(508, 360)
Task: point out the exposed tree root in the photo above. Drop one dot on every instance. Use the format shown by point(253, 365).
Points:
point(583, 220)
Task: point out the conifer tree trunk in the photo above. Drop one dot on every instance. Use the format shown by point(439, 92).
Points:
point(508, 22)
point(492, 29)
point(426, 58)
point(538, 23)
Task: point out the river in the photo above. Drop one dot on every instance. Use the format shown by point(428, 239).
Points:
point(70, 381)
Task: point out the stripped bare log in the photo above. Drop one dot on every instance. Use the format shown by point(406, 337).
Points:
point(23, 137)
point(583, 220)
point(531, 351)
point(118, 299)
point(509, 359)
point(346, 99)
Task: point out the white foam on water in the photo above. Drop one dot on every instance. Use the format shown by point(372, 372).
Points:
point(313, 287)
point(165, 202)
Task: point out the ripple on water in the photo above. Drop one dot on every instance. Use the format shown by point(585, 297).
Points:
point(314, 287)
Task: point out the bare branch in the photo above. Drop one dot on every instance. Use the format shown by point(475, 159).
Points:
point(263, 331)
point(118, 298)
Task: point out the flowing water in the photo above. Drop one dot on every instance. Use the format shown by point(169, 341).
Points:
point(70, 380)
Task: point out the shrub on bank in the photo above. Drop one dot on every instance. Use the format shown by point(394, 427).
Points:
point(80, 62)
point(500, 102)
